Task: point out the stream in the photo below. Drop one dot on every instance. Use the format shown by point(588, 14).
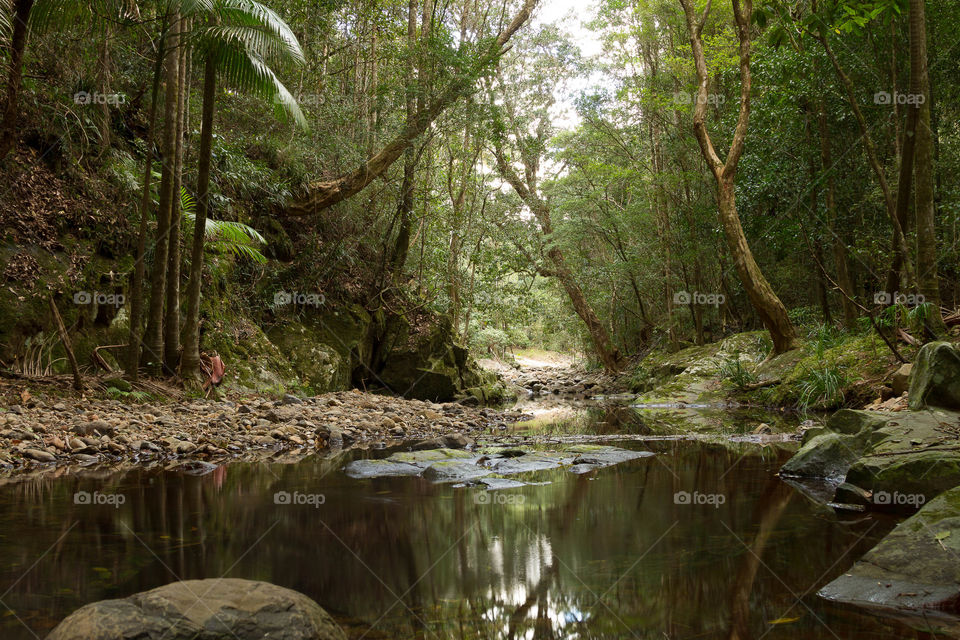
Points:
point(701, 540)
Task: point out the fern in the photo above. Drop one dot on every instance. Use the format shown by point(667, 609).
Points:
point(224, 236)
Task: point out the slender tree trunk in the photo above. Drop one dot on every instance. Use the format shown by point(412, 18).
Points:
point(104, 84)
point(153, 338)
point(762, 297)
point(927, 282)
point(139, 269)
point(839, 248)
point(18, 45)
point(171, 322)
point(190, 360)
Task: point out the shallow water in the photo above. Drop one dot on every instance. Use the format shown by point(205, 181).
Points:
point(616, 553)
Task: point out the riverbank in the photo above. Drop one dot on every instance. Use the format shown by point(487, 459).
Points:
point(52, 433)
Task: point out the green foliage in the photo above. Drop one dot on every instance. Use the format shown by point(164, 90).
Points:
point(732, 370)
point(822, 387)
point(223, 236)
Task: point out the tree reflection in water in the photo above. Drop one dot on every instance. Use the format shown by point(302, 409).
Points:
point(604, 555)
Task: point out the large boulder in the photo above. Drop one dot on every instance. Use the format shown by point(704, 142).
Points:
point(916, 567)
point(203, 610)
point(935, 377)
point(829, 452)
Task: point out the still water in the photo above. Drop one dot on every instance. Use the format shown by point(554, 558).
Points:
point(699, 541)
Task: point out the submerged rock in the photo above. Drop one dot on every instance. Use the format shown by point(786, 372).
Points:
point(203, 610)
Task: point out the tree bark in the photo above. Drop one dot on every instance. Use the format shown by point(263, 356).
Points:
point(136, 287)
point(153, 338)
point(18, 45)
point(762, 297)
point(190, 360)
point(171, 322)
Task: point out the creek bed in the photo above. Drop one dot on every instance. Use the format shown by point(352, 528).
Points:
point(697, 541)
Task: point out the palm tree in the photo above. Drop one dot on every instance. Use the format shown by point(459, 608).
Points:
point(240, 38)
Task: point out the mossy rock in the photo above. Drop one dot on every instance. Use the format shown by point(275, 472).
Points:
point(935, 377)
point(916, 567)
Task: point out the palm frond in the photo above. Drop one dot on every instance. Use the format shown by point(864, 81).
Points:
point(224, 235)
point(248, 72)
point(251, 13)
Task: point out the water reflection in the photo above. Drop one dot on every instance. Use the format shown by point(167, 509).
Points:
point(611, 554)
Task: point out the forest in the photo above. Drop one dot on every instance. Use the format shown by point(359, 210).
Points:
point(403, 277)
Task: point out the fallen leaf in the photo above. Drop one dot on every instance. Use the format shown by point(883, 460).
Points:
point(783, 620)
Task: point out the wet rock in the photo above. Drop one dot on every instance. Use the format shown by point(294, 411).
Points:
point(917, 566)
point(361, 469)
point(203, 610)
point(455, 471)
point(592, 457)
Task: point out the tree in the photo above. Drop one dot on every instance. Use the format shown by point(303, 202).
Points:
point(241, 38)
point(323, 194)
point(762, 297)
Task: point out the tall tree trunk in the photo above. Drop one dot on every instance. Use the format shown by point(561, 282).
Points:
point(190, 360)
point(829, 198)
point(18, 45)
point(103, 82)
point(171, 322)
point(762, 297)
point(153, 338)
point(136, 287)
point(927, 282)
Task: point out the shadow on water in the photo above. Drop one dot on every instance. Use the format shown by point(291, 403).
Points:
point(699, 541)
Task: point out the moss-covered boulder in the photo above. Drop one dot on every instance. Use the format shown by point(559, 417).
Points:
point(829, 452)
point(430, 365)
point(935, 377)
point(917, 566)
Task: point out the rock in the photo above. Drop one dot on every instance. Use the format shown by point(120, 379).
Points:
point(290, 399)
point(592, 457)
point(828, 452)
point(203, 610)
point(455, 471)
point(456, 441)
point(916, 567)
point(360, 469)
point(763, 429)
point(184, 447)
point(99, 426)
point(900, 381)
point(244, 409)
point(935, 377)
point(39, 455)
